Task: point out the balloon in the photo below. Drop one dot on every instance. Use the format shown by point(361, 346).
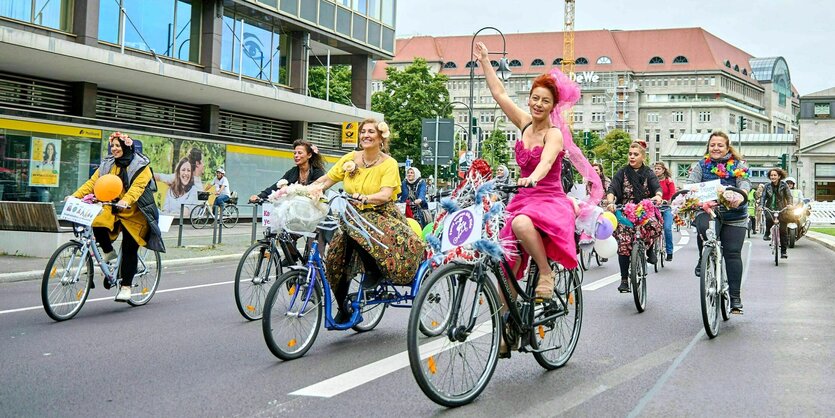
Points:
point(612, 218)
point(415, 226)
point(108, 187)
point(604, 229)
point(427, 230)
point(606, 248)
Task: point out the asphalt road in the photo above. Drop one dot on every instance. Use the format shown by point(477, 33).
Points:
point(190, 353)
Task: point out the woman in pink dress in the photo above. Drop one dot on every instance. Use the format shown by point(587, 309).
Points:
point(541, 217)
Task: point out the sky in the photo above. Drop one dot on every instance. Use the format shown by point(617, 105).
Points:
point(801, 31)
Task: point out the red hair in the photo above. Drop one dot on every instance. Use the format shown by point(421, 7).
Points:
point(546, 81)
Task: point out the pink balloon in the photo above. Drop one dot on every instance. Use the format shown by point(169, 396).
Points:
point(604, 229)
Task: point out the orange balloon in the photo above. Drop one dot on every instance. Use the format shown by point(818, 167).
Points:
point(108, 187)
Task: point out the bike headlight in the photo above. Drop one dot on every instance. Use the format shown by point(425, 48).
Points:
point(798, 211)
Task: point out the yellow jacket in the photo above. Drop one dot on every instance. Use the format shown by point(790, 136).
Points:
point(131, 219)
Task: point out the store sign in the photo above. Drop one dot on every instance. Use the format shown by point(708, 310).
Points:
point(350, 133)
point(586, 77)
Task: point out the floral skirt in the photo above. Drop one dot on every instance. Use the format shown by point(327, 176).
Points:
point(397, 263)
point(626, 235)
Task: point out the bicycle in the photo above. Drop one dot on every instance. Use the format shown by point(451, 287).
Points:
point(715, 296)
point(587, 256)
point(638, 266)
point(549, 330)
point(204, 214)
point(68, 276)
point(266, 258)
point(297, 301)
point(775, 232)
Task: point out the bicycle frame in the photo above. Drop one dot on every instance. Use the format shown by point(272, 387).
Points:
point(711, 241)
point(87, 240)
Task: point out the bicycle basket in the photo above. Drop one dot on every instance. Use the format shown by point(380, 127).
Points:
point(233, 200)
point(202, 195)
point(298, 214)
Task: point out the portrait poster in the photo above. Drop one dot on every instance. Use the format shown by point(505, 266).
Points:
point(45, 162)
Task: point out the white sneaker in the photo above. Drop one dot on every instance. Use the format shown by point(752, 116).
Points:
point(108, 257)
point(124, 294)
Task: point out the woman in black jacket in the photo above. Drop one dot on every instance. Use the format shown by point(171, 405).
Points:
point(776, 196)
point(634, 183)
point(309, 167)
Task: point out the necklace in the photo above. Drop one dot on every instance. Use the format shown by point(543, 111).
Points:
point(731, 168)
point(366, 164)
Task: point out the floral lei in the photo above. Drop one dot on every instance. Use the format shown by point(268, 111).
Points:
point(640, 213)
point(724, 170)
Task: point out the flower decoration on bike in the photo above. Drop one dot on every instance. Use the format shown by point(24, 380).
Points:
point(298, 208)
point(638, 213)
point(731, 168)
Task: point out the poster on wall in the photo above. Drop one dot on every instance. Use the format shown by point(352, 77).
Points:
point(45, 162)
point(181, 169)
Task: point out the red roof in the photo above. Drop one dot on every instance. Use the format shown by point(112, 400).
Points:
point(628, 50)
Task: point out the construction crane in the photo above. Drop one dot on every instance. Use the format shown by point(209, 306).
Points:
point(568, 53)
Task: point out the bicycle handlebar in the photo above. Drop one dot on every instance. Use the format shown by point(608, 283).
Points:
point(508, 188)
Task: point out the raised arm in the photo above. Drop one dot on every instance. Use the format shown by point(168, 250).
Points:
point(519, 117)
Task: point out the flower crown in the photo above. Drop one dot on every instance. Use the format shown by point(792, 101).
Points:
point(122, 137)
point(384, 130)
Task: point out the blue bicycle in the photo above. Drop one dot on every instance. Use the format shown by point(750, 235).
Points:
point(297, 303)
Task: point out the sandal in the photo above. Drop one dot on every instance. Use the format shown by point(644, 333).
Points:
point(545, 288)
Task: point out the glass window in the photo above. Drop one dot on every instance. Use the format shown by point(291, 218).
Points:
point(515, 63)
point(265, 49)
point(538, 62)
point(388, 12)
point(581, 61)
point(360, 5)
point(308, 10)
point(450, 64)
point(557, 61)
point(374, 30)
point(604, 60)
point(359, 27)
point(343, 21)
point(656, 60)
point(388, 39)
point(822, 110)
point(290, 6)
point(55, 14)
point(681, 59)
point(109, 21)
point(326, 14)
point(374, 9)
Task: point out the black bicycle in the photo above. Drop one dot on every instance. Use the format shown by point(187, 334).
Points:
point(454, 365)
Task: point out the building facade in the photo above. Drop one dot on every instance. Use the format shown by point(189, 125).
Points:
point(222, 80)
point(815, 166)
point(662, 86)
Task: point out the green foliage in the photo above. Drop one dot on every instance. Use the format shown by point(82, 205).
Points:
point(409, 95)
point(614, 148)
point(340, 83)
point(594, 141)
point(495, 150)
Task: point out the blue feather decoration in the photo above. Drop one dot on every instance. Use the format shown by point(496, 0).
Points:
point(495, 209)
point(484, 190)
point(434, 242)
point(491, 248)
point(449, 205)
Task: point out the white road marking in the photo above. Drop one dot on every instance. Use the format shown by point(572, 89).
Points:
point(358, 377)
point(177, 289)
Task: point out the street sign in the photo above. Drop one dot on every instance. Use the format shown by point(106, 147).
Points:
point(349, 134)
point(408, 163)
point(445, 146)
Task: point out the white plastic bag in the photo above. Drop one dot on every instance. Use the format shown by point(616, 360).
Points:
point(298, 214)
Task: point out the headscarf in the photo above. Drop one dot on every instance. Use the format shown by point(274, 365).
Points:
point(126, 143)
point(568, 93)
point(417, 175)
point(502, 179)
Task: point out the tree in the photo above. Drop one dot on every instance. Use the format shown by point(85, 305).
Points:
point(587, 146)
point(494, 149)
point(409, 95)
point(340, 83)
point(613, 150)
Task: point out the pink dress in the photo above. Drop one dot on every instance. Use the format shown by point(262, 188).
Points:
point(551, 211)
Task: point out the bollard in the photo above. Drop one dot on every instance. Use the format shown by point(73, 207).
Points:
point(214, 227)
point(219, 221)
point(254, 221)
point(180, 232)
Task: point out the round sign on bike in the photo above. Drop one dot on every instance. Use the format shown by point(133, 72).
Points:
point(79, 212)
point(462, 227)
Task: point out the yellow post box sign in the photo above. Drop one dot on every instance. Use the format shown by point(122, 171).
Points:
point(350, 133)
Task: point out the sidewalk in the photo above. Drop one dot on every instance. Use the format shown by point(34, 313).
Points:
point(197, 249)
point(827, 241)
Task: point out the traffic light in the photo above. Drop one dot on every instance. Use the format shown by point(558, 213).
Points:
point(587, 138)
point(784, 161)
point(743, 123)
point(475, 126)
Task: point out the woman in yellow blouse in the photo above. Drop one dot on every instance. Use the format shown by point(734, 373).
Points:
point(372, 178)
point(139, 220)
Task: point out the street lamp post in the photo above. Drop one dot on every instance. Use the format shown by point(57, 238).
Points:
point(503, 72)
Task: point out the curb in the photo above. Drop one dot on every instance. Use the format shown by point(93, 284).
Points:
point(822, 239)
point(38, 274)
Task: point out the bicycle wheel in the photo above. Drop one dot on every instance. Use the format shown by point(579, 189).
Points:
point(66, 281)
point(230, 216)
point(596, 257)
point(435, 316)
point(792, 238)
point(146, 279)
point(710, 292)
point(291, 319)
point(454, 367)
point(372, 314)
point(252, 279)
point(559, 336)
point(585, 259)
point(775, 244)
point(200, 216)
point(638, 276)
point(658, 248)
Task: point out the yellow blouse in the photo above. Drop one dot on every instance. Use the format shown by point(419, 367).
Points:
point(367, 180)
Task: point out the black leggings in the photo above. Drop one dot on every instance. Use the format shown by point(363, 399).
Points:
point(130, 252)
point(732, 238)
point(784, 230)
point(373, 273)
point(623, 261)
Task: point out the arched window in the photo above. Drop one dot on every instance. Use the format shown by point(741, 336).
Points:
point(581, 61)
point(681, 59)
point(557, 61)
point(471, 64)
point(537, 62)
point(728, 64)
point(744, 71)
point(736, 68)
point(450, 64)
point(515, 63)
point(656, 60)
point(604, 60)
point(494, 63)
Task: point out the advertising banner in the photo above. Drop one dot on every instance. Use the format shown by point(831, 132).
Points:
point(45, 163)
